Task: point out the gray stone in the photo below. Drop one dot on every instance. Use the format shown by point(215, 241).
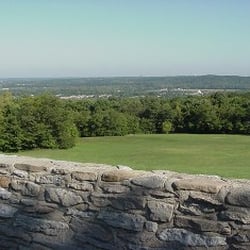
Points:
point(82, 214)
point(93, 233)
point(50, 179)
point(191, 209)
point(168, 186)
point(60, 171)
point(160, 211)
point(14, 199)
point(41, 207)
point(31, 189)
point(84, 186)
point(13, 234)
point(91, 229)
point(4, 172)
point(28, 202)
point(48, 227)
point(26, 187)
point(151, 226)
point(63, 197)
point(30, 168)
point(115, 189)
point(201, 184)
point(84, 176)
point(204, 198)
point(239, 196)
point(233, 213)
point(150, 181)
point(160, 194)
point(4, 165)
point(241, 238)
point(100, 199)
point(82, 207)
point(141, 240)
point(7, 211)
point(21, 174)
point(129, 202)
point(202, 225)
point(4, 194)
point(122, 220)
point(188, 238)
point(120, 175)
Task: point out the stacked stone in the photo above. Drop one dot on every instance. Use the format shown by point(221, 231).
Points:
point(46, 204)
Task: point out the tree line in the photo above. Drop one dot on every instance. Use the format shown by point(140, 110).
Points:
point(47, 121)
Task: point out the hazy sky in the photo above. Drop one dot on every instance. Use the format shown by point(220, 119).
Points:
point(56, 38)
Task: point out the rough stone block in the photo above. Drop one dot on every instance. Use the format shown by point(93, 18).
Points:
point(92, 233)
point(120, 175)
point(201, 184)
point(151, 226)
point(188, 238)
point(20, 174)
point(150, 181)
point(160, 211)
point(238, 214)
point(62, 196)
point(84, 176)
point(28, 202)
point(26, 187)
point(239, 196)
point(202, 225)
point(122, 220)
point(128, 202)
point(60, 171)
point(4, 194)
point(41, 208)
point(100, 199)
point(84, 186)
point(48, 227)
point(4, 171)
point(205, 198)
point(30, 168)
point(115, 188)
point(78, 213)
point(160, 194)
point(7, 211)
point(4, 165)
point(50, 179)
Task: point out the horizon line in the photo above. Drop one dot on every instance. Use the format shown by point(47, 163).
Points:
point(120, 76)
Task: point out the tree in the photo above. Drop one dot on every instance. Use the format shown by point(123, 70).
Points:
point(167, 127)
point(11, 136)
point(57, 128)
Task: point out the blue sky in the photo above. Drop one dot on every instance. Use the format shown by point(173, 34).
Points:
point(57, 38)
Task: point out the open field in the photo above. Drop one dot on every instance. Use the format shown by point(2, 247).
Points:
point(225, 155)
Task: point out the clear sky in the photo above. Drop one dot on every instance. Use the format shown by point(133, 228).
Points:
point(57, 38)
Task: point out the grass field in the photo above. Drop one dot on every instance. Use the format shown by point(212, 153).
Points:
point(225, 155)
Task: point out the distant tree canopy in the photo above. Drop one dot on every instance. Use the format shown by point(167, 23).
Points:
point(46, 121)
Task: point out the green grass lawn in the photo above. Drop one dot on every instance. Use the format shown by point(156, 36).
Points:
point(224, 155)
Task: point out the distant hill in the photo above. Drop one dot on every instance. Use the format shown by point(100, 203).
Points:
point(124, 86)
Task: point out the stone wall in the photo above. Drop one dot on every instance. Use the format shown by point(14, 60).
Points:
point(46, 204)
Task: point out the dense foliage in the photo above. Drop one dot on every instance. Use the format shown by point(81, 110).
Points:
point(49, 122)
point(41, 122)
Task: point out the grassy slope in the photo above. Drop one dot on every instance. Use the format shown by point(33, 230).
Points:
point(225, 155)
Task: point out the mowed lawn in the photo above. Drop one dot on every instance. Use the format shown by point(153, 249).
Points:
point(224, 155)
